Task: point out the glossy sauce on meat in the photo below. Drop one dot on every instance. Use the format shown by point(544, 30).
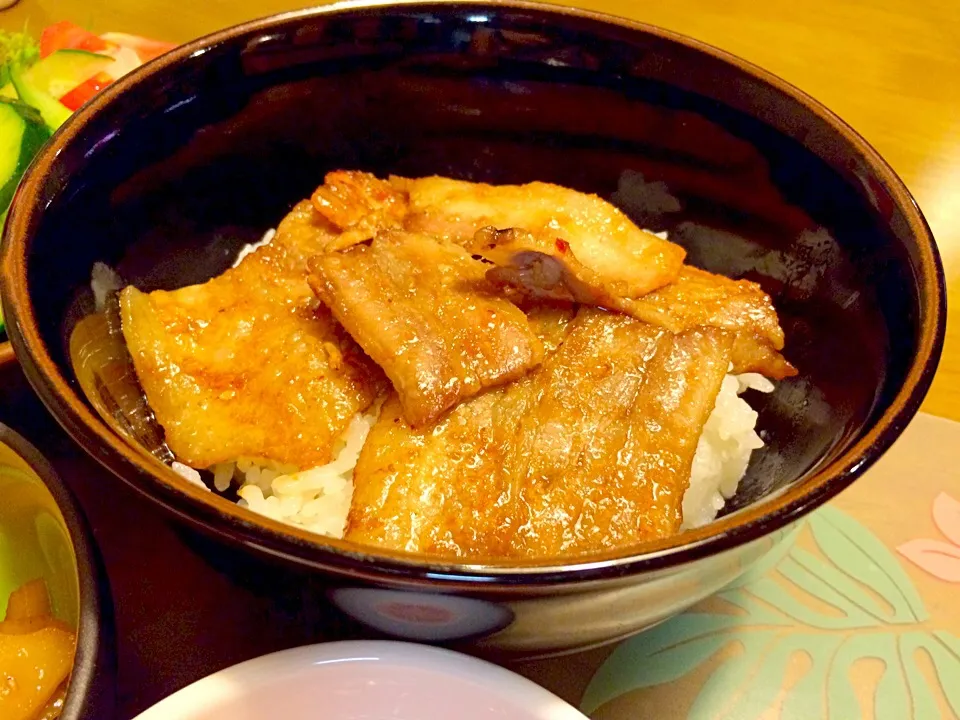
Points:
point(250, 364)
point(424, 311)
point(631, 261)
point(591, 451)
point(552, 365)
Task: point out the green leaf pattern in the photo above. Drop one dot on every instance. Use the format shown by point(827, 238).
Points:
point(858, 553)
point(853, 604)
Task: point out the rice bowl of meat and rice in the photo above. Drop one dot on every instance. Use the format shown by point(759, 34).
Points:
point(530, 477)
point(319, 498)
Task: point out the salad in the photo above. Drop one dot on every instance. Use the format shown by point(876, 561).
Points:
point(43, 81)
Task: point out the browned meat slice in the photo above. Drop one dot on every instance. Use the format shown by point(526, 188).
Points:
point(439, 490)
point(360, 205)
point(629, 261)
point(249, 364)
point(699, 298)
point(605, 455)
point(424, 311)
point(752, 354)
point(591, 451)
point(695, 299)
point(436, 490)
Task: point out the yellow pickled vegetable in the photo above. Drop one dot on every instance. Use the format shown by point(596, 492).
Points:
point(36, 655)
point(28, 608)
point(32, 667)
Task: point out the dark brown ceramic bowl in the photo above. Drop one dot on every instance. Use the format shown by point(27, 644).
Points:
point(45, 536)
point(168, 172)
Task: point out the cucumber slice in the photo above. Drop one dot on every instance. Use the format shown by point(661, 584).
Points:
point(61, 71)
point(12, 129)
point(53, 112)
point(22, 133)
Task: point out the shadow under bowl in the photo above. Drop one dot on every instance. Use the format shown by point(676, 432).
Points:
point(167, 173)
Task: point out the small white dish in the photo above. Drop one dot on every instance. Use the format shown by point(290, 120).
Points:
point(363, 680)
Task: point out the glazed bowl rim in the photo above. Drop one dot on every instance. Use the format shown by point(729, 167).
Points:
point(94, 615)
point(191, 503)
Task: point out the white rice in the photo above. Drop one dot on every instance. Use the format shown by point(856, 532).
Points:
point(103, 281)
point(253, 247)
point(723, 451)
point(318, 499)
point(188, 474)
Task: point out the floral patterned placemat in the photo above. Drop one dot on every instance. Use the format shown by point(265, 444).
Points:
point(859, 617)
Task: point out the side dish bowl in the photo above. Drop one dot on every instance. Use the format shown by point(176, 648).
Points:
point(167, 173)
point(45, 541)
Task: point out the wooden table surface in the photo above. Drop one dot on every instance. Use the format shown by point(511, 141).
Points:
point(890, 68)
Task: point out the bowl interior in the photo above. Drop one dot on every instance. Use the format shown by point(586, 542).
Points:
point(173, 173)
point(34, 539)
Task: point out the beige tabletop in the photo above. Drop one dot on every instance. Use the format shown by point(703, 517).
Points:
point(890, 68)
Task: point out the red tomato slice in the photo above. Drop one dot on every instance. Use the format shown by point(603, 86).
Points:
point(86, 90)
point(66, 35)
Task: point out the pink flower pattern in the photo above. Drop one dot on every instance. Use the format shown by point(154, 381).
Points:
point(940, 559)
